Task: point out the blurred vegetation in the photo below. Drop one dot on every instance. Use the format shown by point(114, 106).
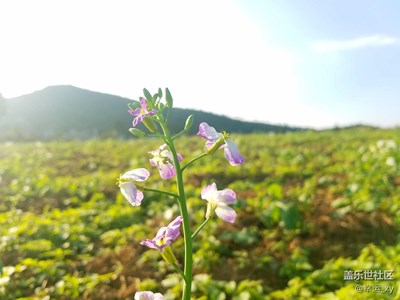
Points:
point(310, 206)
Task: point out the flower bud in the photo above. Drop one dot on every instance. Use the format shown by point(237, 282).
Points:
point(168, 98)
point(137, 132)
point(217, 144)
point(188, 123)
point(149, 123)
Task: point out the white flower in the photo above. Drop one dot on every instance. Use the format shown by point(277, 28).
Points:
point(148, 296)
point(129, 189)
point(218, 201)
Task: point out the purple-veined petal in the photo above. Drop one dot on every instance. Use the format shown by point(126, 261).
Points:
point(131, 193)
point(141, 112)
point(176, 224)
point(134, 112)
point(209, 192)
point(227, 196)
point(208, 132)
point(140, 174)
point(137, 120)
point(167, 171)
point(218, 201)
point(226, 213)
point(143, 104)
point(173, 230)
point(165, 235)
point(161, 233)
point(163, 160)
point(232, 154)
point(180, 158)
point(144, 110)
point(152, 244)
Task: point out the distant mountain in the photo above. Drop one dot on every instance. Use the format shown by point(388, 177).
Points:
point(67, 112)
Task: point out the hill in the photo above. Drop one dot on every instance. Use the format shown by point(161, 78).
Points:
point(68, 112)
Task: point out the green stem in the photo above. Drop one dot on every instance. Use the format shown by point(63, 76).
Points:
point(178, 134)
point(200, 228)
point(162, 192)
point(187, 286)
point(179, 270)
point(167, 118)
point(193, 160)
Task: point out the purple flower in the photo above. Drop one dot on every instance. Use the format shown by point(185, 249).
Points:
point(141, 112)
point(218, 201)
point(129, 189)
point(165, 236)
point(148, 296)
point(216, 140)
point(163, 160)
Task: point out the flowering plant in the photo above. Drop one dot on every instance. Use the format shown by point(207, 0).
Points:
point(153, 111)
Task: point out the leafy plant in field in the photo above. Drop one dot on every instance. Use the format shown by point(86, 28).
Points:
point(154, 113)
point(313, 202)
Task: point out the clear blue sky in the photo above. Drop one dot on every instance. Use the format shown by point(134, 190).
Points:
point(305, 63)
point(357, 75)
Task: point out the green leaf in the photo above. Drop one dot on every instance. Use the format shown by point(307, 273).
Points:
point(291, 217)
point(160, 93)
point(147, 94)
point(168, 98)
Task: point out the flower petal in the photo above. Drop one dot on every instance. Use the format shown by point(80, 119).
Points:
point(176, 223)
point(209, 191)
point(165, 235)
point(134, 112)
point(148, 296)
point(152, 162)
point(166, 154)
point(167, 171)
point(130, 192)
point(232, 154)
point(227, 196)
point(173, 228)
point(158, 296)
point(226, 213)
point(180, 158)
point(137, 120)
point(143, 104)
point(161, 233)
point(151, 244)
point(208, 132)
point(162, 159)
point(140, 174)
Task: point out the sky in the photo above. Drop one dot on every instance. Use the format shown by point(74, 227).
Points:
point(302, 63)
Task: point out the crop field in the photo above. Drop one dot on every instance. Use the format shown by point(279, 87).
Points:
point(318, 217)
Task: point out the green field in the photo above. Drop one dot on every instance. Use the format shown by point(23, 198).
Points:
point(311, 206)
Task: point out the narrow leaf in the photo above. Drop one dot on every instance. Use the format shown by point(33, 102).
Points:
point(147, 94)
point(168, 98)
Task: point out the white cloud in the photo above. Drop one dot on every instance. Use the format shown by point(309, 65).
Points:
point(361, 42)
